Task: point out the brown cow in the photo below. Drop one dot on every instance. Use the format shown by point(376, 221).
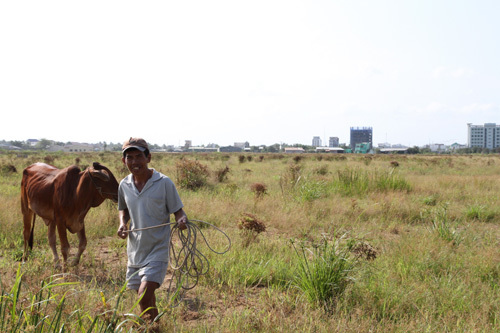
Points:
point(62, 198)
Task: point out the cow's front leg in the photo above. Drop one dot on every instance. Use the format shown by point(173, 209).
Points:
point(82, 244)
point(63, 237)
point(51, 233)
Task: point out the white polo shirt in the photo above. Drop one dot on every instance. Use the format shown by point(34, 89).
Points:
point(152, 206)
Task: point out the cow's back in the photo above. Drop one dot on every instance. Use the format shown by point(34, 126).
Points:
point(45, 188)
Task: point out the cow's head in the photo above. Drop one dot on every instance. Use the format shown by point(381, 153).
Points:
point(105, 181)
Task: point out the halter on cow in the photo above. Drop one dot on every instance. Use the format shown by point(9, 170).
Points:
point(62, 198)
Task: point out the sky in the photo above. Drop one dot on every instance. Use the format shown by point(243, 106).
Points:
point(231, 71)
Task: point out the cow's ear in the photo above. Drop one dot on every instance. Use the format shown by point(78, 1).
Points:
point(96, 165)
point(100, 174)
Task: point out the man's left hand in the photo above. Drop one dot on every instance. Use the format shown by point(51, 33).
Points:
point(182, 223)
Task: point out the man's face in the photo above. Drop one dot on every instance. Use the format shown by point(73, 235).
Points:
point(136, 161)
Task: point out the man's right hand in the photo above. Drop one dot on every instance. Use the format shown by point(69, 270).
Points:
point(122, 231)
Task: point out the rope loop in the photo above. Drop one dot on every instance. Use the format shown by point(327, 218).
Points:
point(188, 263)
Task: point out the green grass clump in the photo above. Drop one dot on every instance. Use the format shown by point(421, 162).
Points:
point(353, 181)
point(479, 213)
point(325, 270)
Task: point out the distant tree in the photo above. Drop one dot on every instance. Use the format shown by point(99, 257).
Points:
point(19, 144)
point(413, 150)
point(44, 144)
point(425, 150)
point(274, 148)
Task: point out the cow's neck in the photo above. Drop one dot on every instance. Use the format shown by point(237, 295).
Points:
point(88, 194)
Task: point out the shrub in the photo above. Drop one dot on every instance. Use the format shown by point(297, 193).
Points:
point(258, 189)
point(322, 170)
point(241, 158)
point(250, 228)
point(191, 174)
point(394, 164)
point(221, 174)
point(8, 168)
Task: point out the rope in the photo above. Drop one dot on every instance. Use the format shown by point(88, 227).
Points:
point(188, 263)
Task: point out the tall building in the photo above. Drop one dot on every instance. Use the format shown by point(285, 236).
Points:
point(483, 136)
point(361, 135)
point(316, 141)
point(333, 142)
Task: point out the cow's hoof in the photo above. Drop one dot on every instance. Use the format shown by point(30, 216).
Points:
point(73, 262)
point(57, 266)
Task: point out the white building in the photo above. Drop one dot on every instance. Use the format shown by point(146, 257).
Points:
point(483, 136)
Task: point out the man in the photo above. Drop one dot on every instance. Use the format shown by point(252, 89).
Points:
point(146, 198)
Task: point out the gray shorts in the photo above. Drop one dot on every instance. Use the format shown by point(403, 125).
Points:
point(154, 271)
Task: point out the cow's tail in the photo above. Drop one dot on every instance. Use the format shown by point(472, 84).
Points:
point(28, 215)
point(30, 241)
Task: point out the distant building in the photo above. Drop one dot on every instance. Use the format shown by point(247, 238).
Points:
point(194, 149)
point(362, 148)
point(316, 141)
point(230, 149)
point(456, 146)
point(361, 135)
point(32, 142)
point(294, 150)
point(483, 136)
point(242, 145)
point(333, 150)
point(333, 142)
point(437, 147)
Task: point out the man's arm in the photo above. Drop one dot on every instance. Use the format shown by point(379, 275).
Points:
point(124, 218)
point(181, 219)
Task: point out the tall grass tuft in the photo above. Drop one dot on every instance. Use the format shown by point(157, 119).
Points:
point(441, 225)
point(479, 213)
point(352, 181)
point(325, 270)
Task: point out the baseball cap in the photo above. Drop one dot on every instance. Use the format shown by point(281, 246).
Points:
point(137, 143)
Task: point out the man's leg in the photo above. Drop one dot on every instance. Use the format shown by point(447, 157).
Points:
point(148, 289)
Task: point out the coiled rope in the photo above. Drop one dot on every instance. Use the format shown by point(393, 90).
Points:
point(187, 262)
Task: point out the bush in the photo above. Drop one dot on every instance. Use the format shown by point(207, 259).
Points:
point(258, 189)
point(191, 174)
point(221, 174)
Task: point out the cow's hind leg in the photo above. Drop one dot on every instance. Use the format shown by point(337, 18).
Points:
point(29, 226)
point(82, 244)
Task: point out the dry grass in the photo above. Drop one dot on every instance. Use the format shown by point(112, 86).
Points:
point(411, 277)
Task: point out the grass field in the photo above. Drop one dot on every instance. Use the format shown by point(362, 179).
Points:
point(320, 243)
